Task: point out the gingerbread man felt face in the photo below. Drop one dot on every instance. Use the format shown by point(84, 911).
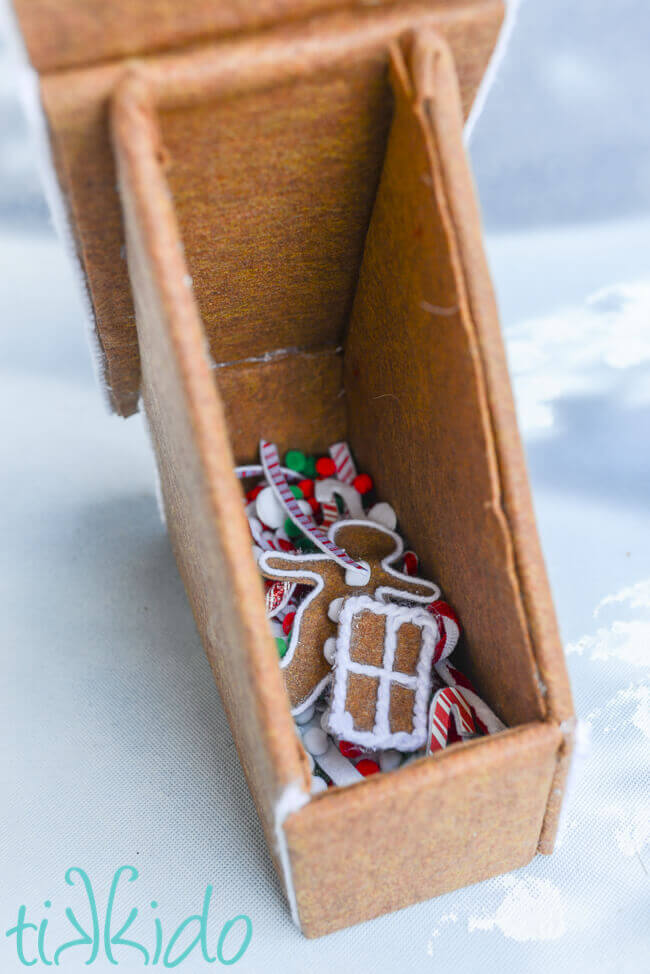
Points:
point(306, 671)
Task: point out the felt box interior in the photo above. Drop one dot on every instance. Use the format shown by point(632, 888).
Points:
point(315, 220)
point(374, 235)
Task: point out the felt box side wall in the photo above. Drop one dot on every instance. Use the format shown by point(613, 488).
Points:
point(443, 822)
point(76, 105)
point(417, 411)
point(202, 498)
point(425, 367)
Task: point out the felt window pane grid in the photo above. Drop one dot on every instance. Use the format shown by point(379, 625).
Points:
point(379, 699)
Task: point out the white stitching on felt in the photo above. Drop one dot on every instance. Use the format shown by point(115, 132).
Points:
point(339, 720)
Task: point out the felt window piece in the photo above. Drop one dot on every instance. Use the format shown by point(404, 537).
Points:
point(382, 674)
point(306, 670)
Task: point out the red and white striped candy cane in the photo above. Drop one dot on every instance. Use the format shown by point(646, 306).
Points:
point(330, 512)
point(447, 705)
point(345, 468)
point(485, 720)
point(448, 626)
point(278, 595)
point(273, 472)
point(257, 470)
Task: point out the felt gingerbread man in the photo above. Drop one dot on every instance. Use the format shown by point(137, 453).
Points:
point(306, 670)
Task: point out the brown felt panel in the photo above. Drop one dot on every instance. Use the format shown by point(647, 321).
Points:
point(273, 193)
point(76, 106)
point(400, 709)
point(442, 822)
point(367, 639)
point(295, 401)
point(361, 700)
point(202, 498)
point(407, 649)
point(63, 33)
point(417, 413)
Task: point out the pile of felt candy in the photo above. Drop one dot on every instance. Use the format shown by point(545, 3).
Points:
point(363, 641)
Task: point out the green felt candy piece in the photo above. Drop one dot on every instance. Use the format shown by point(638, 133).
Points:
point(306, 544)
point(295, 460)
point(282, 646)
point(296, 491)
point(292, 530)
point(309, 469)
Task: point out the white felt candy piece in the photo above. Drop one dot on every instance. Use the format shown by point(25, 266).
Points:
point(305, 716)
point(383, 513)
point(316, 741)
point(389, 760)
point(355, 577)
point(317, 784)
point(338, 768)
point(334, 609)
point(326, 490)
point(329, 650)
point(269, 509)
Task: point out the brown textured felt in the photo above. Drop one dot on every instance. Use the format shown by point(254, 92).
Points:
point(270, 391)
point(202, 93)
point(413, 375)
point(442, 822)
point(202, 498)
point(67, 33)
point(423, 331)
point(477, 809)
point(361, 700)
point(306, 666)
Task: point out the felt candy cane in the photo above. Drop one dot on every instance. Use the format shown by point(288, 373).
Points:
point(485, 720)
point(345, 468)
point(257, 470)
point(448, 627)
point(326, 491)
point(277, 597)
point(447, 705)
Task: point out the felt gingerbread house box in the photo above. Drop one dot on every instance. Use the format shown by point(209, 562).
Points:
point(272, 208)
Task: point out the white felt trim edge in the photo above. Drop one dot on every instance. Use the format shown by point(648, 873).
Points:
point(292, 799)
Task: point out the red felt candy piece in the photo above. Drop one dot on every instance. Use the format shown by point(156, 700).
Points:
point(325, 467)
point(307, 488)
point(286, 545)
point(313, 503)
point(349, 750)
point(366, 767)
point(410, 566)
point(287, 622)
point(362, 483)
point(252, 494)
